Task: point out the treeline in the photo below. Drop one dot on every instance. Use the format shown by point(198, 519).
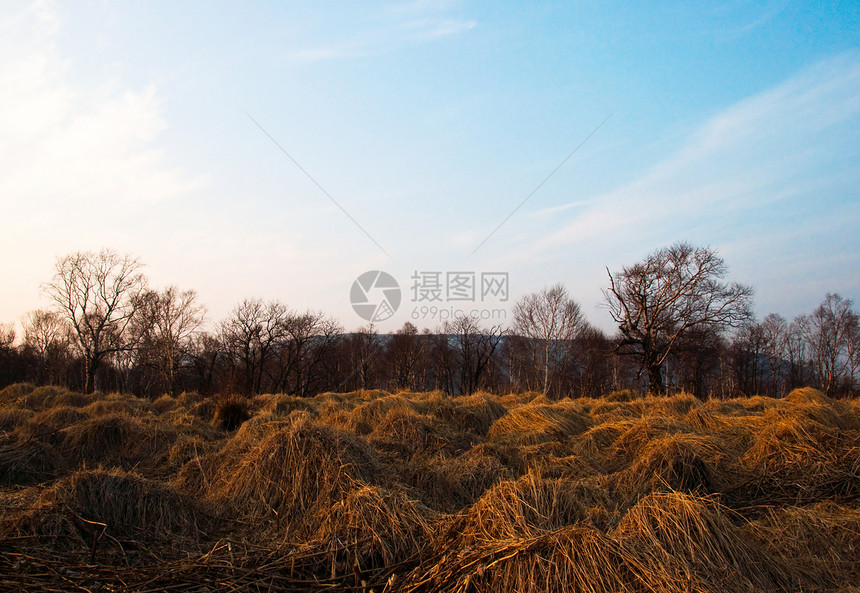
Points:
point(680, 329)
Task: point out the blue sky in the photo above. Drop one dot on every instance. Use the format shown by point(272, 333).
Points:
point(131, 125)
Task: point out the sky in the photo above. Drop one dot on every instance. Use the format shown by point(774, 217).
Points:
point(281, 150)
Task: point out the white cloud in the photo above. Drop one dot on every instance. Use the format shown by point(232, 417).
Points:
point(767, 149)
point(77, 159)
point(783, 164)
point(421, 23)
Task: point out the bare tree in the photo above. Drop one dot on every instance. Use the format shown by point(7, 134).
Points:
point(471, 350)
point(797, 352)
point(749, 354)
point(853, 353)
point(47, 335)
point(550, 321)
point(301, 353)
point(406, 351)
point(251, 335)
point(674, 289)
point(828, 332)
point(170, 319)
point(362, 349)
point(774, 330)
point(99, 295)
point(10, 367)
point(205, 356)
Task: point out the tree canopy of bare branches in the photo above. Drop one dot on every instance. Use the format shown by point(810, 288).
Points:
point(169, 319)
point(654, 302)
point(469, 350)
point(549, 320)
point(831, 335)
point(99, 294)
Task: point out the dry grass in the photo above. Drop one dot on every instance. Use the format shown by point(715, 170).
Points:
point(284, 405)
point(56, 419)
point(92, 503)
point(822, 541)
point(165, 403)
point(524, 508)
point(573, 558)
point(231, 412)
point(415, 492)
point(13, 417)
point(690, 543)
point(49, 396)
point(682, 462)
point(366, 416)
point(373, 527)
point(537, 423)
point(294, 474)
point(405, 433)
point(13, 394)
point(28, 461)
point(639, 434)
point(474, 414)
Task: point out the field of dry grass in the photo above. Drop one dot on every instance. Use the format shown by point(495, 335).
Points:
point(408, 492)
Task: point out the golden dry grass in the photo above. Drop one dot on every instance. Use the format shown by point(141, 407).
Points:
point(412, 492)
point(538, 423)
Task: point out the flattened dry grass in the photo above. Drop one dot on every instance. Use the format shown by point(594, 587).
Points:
point(366, 416)
point(90, 503)
point(49, 396)
point(374, 527)
point(117, 440)
point(294, 474)
point(28, 461)
point(573, 558)
point(538, 423)
point(419, 492)
point(474, 413)
point(683, 542)
point(407, 433)
point(801, 454)
point(822, 541)
point(680, 462)
point(524, 508)
point(60, 417)
point(13, 417)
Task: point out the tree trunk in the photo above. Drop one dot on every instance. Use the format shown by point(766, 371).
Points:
point(92, 368)
point(655, 379)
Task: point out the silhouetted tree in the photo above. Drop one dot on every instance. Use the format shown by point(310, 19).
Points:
point(749, 356)
point(797, 352)
point(363, 350)
point(829, 331)
point(206, 362)
point(301, 351)
point(674, 289)
point(774, 330)
point(12, 365)
point(250, 336)
point(47, 335)
point(169, 320)
point(406, 354)
point(99, 295)
point(696, 361)
point(469, 353)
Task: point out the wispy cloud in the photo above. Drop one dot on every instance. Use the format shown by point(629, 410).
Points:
point(786, 158)
point(752, 154)
point(76, 159)
point(401, 28)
